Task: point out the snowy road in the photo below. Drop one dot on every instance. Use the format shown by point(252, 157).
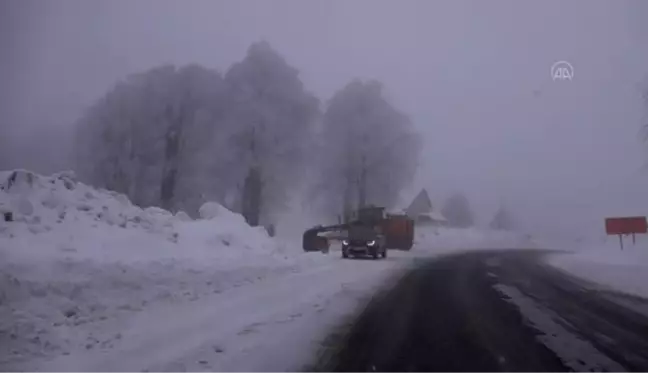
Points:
point(274, 325)
point(91, 282)
point(493, 311)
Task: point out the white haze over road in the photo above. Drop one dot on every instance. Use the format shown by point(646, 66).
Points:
point(474, 77)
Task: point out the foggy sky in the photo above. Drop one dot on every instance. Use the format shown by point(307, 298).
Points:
point(473, 75)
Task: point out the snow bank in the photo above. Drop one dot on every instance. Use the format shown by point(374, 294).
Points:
point(74, 258)
point(604, 262)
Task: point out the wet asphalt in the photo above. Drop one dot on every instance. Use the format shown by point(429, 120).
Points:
point(498, 310)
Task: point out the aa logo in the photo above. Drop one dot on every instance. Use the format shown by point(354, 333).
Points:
point(562, 70)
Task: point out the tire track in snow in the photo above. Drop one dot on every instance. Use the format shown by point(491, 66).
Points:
point(162, 338)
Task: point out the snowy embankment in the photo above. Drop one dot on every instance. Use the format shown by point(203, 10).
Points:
point(604, 262)
point(89, 281)
point(76, 262)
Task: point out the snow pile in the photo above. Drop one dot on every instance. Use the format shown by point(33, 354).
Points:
point(445, 239)
point(73, 258)
point(41, 204)
point(604, 262)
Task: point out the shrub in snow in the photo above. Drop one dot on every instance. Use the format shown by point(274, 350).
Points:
point(18, 179)
point(68, 179)
point(158, 213)
point(213, 210)
point(182, 216)
point(122, 199)
point(209, 210)
point(261, 231)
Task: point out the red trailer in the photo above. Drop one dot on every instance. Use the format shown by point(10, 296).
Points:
point(399, 231)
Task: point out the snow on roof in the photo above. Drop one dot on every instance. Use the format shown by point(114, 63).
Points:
point(420, 204)
point(435, 215)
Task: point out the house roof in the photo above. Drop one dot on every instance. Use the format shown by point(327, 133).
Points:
point(435, 215)
point(421, 204)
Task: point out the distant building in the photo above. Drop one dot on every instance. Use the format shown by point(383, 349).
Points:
point(422, 211)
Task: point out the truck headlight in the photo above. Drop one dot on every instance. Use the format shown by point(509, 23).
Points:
point(371, 243)
point(345, 242)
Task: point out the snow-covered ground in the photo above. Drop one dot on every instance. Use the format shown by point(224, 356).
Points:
point(448, 240)
point(90, 282)
point(603, 262)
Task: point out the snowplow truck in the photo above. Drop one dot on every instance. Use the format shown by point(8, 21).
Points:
point(397, 230)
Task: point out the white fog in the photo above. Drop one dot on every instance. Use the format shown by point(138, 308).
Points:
point(323, 185)
point(474, 78)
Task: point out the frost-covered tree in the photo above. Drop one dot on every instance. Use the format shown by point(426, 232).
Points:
point(6, 122)
point(457, 210)
point(368, 150)
point(153, 136)
point(5, 152)
point(502, 220)
point(644, 118)
point(272, 121)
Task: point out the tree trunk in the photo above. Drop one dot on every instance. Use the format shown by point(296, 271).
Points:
point(170, 168)
point(169, 172)
point(253, 186)
point(252, 189)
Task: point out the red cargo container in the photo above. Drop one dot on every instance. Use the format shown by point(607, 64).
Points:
point(399, 232)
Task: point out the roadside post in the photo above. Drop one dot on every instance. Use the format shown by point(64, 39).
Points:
point(625, 226)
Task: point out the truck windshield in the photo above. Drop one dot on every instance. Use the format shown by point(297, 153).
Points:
point(361, 232)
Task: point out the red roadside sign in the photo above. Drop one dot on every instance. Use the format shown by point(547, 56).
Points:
point(626, 225)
